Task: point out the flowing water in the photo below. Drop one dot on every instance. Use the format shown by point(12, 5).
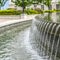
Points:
point(49, 27)
point(37, 41)
point(15, 45)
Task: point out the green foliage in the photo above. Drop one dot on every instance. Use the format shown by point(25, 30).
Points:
point(15, 12)
point(51, 11)
point(39, 10)
point(10, 12)
point(57, 10)
point(48, 11)
point(40, 1)
point(36, 1)
point(30, 11)
point(22, 3)
point(47, 2)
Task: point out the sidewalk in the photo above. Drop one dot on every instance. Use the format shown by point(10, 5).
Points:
point(7, 22)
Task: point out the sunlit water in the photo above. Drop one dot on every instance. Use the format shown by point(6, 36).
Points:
point(23, 44)
point(49, 27)
point(15, 45)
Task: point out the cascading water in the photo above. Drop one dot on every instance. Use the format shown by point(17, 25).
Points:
point(45, 36)
point(57, 47)
point(54, 42)
point(23, 41)
point(42, 28)
point(48, 37)
point(15, 44)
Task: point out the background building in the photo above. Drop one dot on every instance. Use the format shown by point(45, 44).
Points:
point(11, 5)
point(55, 4)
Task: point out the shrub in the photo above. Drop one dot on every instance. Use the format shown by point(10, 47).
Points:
point(39, 10)
point(31, 11)
point(51, 11)
point(57, 10)
point(18, 12)
point(10, 12)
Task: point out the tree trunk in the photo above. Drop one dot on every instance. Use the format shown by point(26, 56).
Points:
point(23, 5)
point(23, 9)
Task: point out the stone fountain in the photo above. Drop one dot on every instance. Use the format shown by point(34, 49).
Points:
point(46, 35)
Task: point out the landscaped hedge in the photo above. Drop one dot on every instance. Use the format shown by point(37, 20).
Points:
point(51, 11)
point(15, 12)
point(39, 10)
point(31, 11)
point(10, 12)
point(57, 10)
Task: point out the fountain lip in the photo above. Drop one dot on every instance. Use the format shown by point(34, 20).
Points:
point(49, 33)
point(41, 17)
point(45, 17)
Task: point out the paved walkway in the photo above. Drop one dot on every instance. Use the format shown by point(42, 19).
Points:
point(7, 22)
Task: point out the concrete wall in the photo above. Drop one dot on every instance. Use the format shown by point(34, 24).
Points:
point(6, 17)
point(18, 25)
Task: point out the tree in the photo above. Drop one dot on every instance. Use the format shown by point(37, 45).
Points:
point(35, 2)
point(22, 3)
point(58, 1)
point(47, 3)
point(2, 3)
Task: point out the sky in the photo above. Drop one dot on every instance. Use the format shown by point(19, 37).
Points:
point(7, 4)
point(55, 0)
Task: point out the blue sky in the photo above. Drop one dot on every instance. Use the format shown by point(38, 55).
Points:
point(6, 5)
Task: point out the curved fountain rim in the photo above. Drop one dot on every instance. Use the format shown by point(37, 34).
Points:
point(46, 20)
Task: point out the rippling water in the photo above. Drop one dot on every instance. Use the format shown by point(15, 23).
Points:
point(21, 43)
point(15, 45)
